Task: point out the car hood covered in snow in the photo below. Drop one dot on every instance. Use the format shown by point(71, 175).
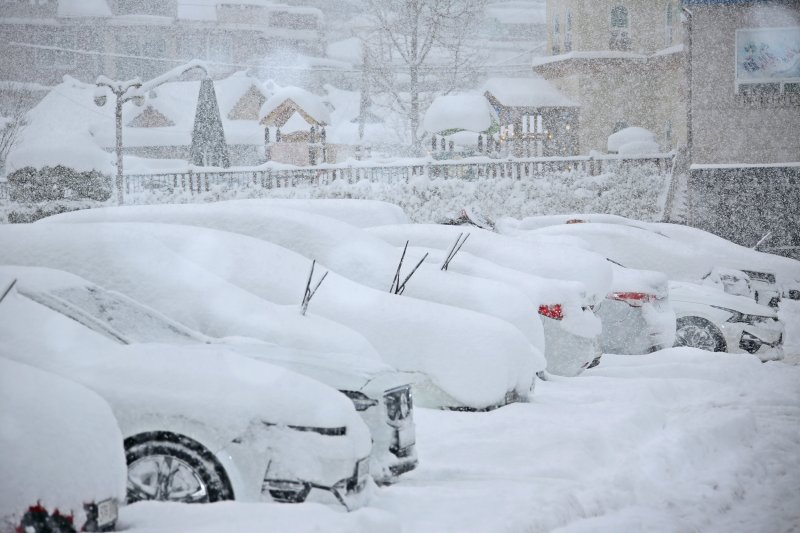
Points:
point(473, 359)
point(221, 391)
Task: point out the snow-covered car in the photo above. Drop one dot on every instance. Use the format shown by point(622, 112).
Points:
point(343, 248)
point(562, 283)
point(729, 280)
point(682, 252)
point(381, 395)
point(719, 322)
point(637, 315)
point(62, 464)
point(218, 283)
point(203, 426)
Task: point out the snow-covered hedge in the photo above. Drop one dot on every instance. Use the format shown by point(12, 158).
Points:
point(632, 191)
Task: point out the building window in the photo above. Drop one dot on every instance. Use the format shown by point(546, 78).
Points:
point(668, 26)
point(620, 29)
point(556, 35)
point(668, 135)
point(568, 32)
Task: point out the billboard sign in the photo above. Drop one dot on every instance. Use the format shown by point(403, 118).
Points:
point(768, 55)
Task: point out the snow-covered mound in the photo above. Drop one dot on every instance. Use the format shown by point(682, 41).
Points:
point(466, 111)
point(633, 140)
point(61, 446)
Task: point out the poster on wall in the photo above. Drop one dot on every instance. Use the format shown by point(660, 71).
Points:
point(768, 55)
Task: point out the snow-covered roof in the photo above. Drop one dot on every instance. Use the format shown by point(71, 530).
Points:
point(58, 131)
point(83, 8)
point(310, 103)
point(640, 136)
point(465, 111)
point(526, 92)
point(346, 50)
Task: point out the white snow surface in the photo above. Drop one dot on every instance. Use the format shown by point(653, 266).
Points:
point(492, 356)
point(61, 445)
point(547, 259)
point(464, 111)
point(527, 92)
point(150, 383)
point(122, 259)
point(633, 140)
point(359, 213)
point(679, 440)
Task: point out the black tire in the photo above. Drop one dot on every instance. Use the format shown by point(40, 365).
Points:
point(697, 332)
point(190, 466)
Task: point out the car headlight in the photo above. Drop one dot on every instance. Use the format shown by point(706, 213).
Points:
point(361, 401)
point(736, 316)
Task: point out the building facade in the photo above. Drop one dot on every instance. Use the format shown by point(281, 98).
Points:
point(623, 62)
point(44, 40)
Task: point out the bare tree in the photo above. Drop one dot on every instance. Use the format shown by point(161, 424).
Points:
point(416, 48)
point(13, 107)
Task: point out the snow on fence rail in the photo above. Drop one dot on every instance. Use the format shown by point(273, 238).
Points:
point(269, 177)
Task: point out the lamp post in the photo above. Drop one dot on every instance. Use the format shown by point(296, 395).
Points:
point(135, 90)
point(123, 91)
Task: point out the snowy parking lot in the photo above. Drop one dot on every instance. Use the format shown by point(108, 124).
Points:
point(680, 440)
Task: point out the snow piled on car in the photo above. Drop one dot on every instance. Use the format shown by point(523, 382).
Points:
point(61, 446)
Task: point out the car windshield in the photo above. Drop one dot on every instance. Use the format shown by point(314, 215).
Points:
point(760, 276)
point(115, 315)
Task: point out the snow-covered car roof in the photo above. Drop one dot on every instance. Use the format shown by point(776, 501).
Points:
point(552, 259)
point(144, 269)
point(696, 293)
point(125, 320)
point(61, 445)
point(359, 213)
point(147, 385)
point(688, 253)
point(493, 358)
point(633, 247)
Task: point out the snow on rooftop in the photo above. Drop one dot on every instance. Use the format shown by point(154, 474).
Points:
point(82, 8)
point(466, 111)
point(348, 50)
point(526, 92)
point(308, 102)
point(58, 131)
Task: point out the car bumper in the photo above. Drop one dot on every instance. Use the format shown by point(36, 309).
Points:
point(636, 330)
point(765, 341)
point(567, 354)
point(285, 465)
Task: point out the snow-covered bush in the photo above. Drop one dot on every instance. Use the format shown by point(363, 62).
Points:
point(28, 184)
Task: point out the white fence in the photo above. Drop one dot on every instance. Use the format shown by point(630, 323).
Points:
point(268, 177)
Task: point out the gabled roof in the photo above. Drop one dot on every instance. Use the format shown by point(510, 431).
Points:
point(309, 103)
point(526, 92)
point(150, 118)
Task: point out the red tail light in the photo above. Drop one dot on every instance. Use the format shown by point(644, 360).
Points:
point(551, 311)
point(634, 299)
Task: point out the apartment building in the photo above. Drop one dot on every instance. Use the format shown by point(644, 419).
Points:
point(43, 40)
point(622, 61)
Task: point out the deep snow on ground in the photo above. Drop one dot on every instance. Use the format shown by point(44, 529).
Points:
point(680, 440)
point(789, 313)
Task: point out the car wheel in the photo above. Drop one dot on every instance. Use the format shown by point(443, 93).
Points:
point(697, 332)
point(168, 467)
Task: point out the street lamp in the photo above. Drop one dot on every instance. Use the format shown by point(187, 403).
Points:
point(133, 90)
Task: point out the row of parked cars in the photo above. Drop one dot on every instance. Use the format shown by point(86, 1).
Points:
point(183, 325)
